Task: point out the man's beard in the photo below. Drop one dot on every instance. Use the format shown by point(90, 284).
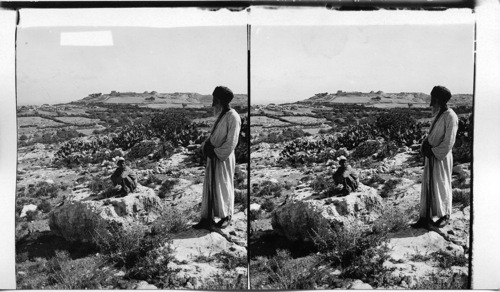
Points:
point(217, 110)
point(435, 110)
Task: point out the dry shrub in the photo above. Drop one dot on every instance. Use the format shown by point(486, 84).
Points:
point(392, 219)
point(83, 273)
point(167, 186)
point(268, 205)
point(230, 261)
point(324, 185)
point(62, 272)
point(99, 183)
point(41, 189)
point(44, 206)
point(437, 281)
point(282, 272)
point(171, 221)
point(267, 188)
point(220, 282)
point(240, 197)
point(461, 197)
point(153, 267)
point(358, 250)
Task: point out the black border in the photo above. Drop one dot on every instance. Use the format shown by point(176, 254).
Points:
point(241, 5)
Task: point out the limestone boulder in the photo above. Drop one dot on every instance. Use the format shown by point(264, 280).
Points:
point(78, 219)
point(304, 211)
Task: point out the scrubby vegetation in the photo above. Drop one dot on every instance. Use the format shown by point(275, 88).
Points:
point(382, 147)
point(142, 253)
point(80, 146)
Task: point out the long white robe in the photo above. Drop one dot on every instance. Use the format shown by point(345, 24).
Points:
point(224, 138)
point(441, 138)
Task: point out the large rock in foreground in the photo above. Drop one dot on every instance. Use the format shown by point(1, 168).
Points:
point(299, 216)
point(78, 220)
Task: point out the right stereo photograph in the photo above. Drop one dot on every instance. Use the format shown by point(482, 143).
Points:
point(361, 156)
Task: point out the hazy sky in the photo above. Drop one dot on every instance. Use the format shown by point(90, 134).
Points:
point(194, 59)
point(291, 63)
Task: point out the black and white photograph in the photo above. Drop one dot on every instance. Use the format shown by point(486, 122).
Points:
point(132, 156)
point(361, 151)
point(264, 145)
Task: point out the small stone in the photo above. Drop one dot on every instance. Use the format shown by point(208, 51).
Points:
point(360, 285)
point(120, 274)
point(143, 285)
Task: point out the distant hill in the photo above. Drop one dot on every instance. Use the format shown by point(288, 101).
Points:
point(154, 97)
point(381, 97)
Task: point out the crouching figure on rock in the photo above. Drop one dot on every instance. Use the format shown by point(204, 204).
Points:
point(123, 179)
point(218, 186)
point(345, 176)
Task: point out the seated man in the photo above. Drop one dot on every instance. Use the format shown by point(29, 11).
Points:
point(123, 179)
point(346, 177)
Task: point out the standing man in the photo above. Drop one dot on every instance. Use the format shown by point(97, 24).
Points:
point(218, 187)
point(436, 192)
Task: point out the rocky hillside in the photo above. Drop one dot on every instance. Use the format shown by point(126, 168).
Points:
point(312, 240)
point(153, 97)
point(141, 241)
point(304, 234)
point(72, 233)
point(380, 97)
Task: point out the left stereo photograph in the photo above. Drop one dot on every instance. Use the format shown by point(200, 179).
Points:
point(132, 149)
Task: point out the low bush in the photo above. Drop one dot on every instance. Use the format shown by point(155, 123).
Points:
point(437, 281)
point(242, 153)
point(288, 134)
point(392, 219)
point(240, 177)
point(66, 273)
point(153, 267)
point(282, 272)
point(44, 206)
point(167, 186)
point(447, 260)
point(268, 205)
point(358, 250)
point(462, 150)
point(150, 179)
point(267, 188)
point(240, 197)
point(389, 187)
point(461, 197)
point(230, 261)
point(171, 221)
point(219, 282)
point(41, 189)
point(324, 185)
point(374, 180)
point(122, 247)
point(32, 215)
point(62, 272)
point(99, 183)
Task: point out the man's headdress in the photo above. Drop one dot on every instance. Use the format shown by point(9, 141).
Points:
point(223, 94)
point(441, 93)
